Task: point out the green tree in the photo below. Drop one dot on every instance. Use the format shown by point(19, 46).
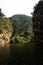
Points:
point(6, 28)
point(38, 21)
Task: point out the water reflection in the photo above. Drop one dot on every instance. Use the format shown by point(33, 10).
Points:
point(16, 55)
point(4, 54)
point(20, 55)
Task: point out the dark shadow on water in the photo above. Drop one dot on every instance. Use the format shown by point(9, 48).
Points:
point(29, 54)
point(4, 55)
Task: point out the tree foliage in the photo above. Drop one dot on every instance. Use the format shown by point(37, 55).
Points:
point(38, 21)
point(6, 28)
point(22, 26)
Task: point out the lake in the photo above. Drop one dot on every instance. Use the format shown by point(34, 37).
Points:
point(21, 55)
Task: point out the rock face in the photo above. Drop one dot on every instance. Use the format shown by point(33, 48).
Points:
point(5, 29)
point(4, 38)
point(38, 21)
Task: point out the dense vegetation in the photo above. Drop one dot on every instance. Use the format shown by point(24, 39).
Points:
point(5, 29)
point(38, 21)
point(22, 26)
point(16, 29)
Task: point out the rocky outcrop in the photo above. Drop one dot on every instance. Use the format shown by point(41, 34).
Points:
point(4, 39)
point(5, 29)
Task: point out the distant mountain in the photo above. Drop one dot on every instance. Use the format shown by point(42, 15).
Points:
point(20, 22)
point(20, 16)
point(22, 26)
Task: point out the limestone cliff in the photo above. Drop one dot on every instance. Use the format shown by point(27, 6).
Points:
point(5, 29)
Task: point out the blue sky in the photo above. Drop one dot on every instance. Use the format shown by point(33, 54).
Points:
point(12, 7)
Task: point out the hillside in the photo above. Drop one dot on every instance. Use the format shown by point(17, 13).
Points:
point(5, 29)
point(20, 22)
point(22, 25)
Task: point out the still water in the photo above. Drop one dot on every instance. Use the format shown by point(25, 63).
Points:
point(21, 55)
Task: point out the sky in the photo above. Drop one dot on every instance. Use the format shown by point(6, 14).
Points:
point(12, 7)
